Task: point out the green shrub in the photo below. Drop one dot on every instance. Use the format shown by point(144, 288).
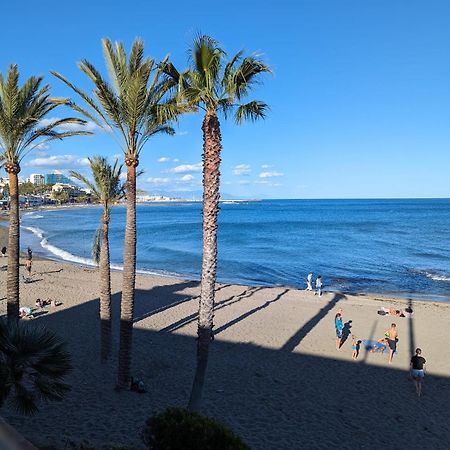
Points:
point(178, 428)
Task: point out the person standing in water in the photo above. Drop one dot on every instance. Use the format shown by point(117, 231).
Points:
point(319, 286)
point(309, 281)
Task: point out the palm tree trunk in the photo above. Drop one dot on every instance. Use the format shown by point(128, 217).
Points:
point(129, 276)
point(212, 147)
point(105, 292)
point(12, 284)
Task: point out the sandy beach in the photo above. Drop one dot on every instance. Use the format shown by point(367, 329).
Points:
point(274, 374)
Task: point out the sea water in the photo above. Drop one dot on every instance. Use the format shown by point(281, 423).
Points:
point(394, 247)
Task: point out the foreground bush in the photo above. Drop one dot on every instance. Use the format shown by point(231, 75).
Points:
point(33, 365)
point(177, 428)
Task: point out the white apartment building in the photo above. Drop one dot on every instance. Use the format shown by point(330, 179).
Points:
point(37, 178)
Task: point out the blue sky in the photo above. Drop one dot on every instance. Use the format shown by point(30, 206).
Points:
point(360, 96)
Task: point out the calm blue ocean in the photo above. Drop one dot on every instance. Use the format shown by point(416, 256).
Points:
point(399, 247)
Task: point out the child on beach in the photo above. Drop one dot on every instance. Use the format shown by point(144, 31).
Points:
point(319, 286)
point(355, 347)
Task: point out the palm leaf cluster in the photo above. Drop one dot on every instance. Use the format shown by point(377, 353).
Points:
point(130, 103)
point(33, 363)
point(22, 109)
point(214, 85)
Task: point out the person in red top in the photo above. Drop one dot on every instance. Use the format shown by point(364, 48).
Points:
point(418, 370)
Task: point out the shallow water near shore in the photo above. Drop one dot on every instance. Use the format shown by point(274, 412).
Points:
point(392, 247)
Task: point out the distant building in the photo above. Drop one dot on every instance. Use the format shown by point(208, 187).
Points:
point(31, 200)
point(73, 191)
point(37, 179)
point(53, 178)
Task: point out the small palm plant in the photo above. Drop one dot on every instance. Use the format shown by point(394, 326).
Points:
point(108, 189)
point(33, 364)
point(133, 106)
point(22, 128)
point(214, 86)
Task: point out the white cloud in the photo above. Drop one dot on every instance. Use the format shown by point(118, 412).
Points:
point(59, 161)
point(181, 133)
point(157, 181)
point(187, 168)
point(241, 169)
point(175, 160)
point(261, 182)
point(266, 166)
point(270, 174)
point(89, 126)
point(244, 182)
point(123, 176)
point(187, 178)
point(163, 159)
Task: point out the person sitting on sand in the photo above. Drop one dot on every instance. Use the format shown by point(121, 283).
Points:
point(418, 370)
point(392, 340)
point(408, 312)
point(41, 303)
point(3, 251)
point(25, 313)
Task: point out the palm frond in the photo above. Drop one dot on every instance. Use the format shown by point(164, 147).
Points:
point(96, 245)
point(33, 363)
point(22, 108)
point(251, 111)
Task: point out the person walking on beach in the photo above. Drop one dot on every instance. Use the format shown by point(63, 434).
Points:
point(319, 286)
point(309, 281)
point(339, 326)
point(392, 338)
point(418, 370)
point(28, 264)
point(30, 253)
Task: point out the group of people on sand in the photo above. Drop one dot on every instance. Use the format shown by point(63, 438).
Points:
point(318, 284)
point(389, 340)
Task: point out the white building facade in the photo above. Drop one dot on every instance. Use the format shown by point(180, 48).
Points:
point(37, 178)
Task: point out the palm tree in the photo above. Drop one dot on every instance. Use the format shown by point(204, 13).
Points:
point(132, 107)
point(22, 111)
point(213, 86)
point(33, 364)
point(108, 189)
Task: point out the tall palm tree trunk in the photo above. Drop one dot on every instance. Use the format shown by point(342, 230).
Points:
point(212, 147)
point(129, 276)
point(12, 283)
point(105, 292)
